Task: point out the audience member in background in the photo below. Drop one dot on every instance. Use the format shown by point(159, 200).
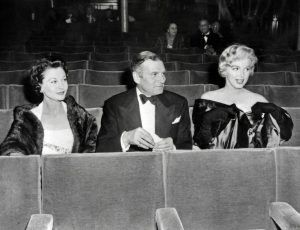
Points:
point(145, 117)
point(90, 15)
point(234, 117)
point(171, 39)
point(205, 39)
point(216, 29)
point(58, 125)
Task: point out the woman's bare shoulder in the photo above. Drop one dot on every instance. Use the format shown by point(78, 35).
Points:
point(256, 97)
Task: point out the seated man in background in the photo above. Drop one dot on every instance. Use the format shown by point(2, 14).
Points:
point(145, 117)
point(205, 39)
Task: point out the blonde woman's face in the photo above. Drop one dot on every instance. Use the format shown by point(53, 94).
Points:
point(238, 73)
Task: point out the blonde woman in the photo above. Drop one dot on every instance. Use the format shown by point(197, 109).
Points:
point(234, 117)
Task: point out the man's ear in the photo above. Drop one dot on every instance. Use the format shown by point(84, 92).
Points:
point(136, 77)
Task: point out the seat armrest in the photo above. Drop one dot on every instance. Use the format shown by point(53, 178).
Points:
point(285, 216)
point(40, 222)
point(168, 219)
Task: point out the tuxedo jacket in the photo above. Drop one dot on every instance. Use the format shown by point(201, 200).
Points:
point(197, 40)
point(121, 113)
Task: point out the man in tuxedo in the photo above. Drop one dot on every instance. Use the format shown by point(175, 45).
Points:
point(205, 39)
point(145, 117)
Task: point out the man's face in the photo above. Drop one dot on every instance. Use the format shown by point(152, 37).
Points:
point(203, 26)
point(150, 78)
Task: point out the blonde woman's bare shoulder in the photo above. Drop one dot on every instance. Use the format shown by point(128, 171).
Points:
point(255, 97)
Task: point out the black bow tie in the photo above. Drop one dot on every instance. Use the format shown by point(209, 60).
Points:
point(205, 35)
point(144, 99)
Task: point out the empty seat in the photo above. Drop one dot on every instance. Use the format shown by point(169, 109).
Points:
point(217, 189)
point(109, 66)
point(73, 65)
point(5, 55)
point(287, 96)
point(3, 96)
point(21, 65)
point(170, 66)
point(177, 77)
point(206, 67)
point(134, 50)
point(292, 78)
point(295, 114)
point(74, 49)
point(108, 77)
point(210, 58)
point(37, 49)
point(275, 67)
point(193, 50)
point(72, 56)
point(288, 175)
point(103, 193)
point(91, 96)
point(192, 58)
point(6, 118)
point(268, 58)
point(112, 57)
point(17, 56)
point(190, 92)
point(267, 78)
point(20, 190)
point(76, 76)
point(111, 49)
point(199, 77)
point(14, 77)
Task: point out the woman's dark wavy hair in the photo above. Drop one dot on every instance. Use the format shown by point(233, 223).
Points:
point(37, 71)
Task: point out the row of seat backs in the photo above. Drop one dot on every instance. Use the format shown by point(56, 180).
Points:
point(6, 119)
point(38, 50)
point(180, 77)
point(121, 65)
point(109, 57)
point(90, 96)
point(211, 189)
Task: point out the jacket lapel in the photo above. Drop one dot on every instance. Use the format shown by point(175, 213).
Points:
point(130, 111)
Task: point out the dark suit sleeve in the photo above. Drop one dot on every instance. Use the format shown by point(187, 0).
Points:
point(108, 138)
point(184, 137)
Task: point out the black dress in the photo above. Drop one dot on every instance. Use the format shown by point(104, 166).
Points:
point(221, 126)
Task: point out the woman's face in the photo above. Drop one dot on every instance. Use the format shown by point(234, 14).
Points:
point(172, 29)
point(54, 85)
point(237, 74)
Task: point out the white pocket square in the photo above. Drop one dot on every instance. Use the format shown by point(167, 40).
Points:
point(177, 119)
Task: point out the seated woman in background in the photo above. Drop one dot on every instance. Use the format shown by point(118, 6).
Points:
point(234, 117)
point(58, 125)
point(171, 39)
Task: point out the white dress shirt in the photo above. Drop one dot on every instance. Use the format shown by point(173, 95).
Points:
point(147, 114)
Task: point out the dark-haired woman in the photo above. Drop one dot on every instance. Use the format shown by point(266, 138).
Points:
point(171, 39)
point(58, 125)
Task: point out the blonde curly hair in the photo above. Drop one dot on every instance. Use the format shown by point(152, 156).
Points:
point(233, 53)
